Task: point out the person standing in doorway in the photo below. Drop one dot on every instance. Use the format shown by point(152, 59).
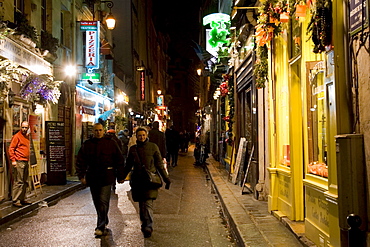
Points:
point(144, 156)
point(99, 163)
point(19, 154)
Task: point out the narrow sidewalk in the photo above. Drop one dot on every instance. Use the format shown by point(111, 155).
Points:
point(249, 219)
point(49, 196)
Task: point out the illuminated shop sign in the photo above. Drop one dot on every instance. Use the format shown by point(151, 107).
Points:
point(160, 100)
point(92, 48)
point(122, 97)
point(17, 53)
point(161, 107)
point(142, 85)
point(88, 25)
point(93, 77)
point(217, 35)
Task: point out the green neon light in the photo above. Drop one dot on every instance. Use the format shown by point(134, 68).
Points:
point(215, 17)
point(220, 24)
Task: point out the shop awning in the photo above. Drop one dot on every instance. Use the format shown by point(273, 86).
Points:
point(106, 114)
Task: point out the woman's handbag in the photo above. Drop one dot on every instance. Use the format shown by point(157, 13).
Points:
point(152, 178)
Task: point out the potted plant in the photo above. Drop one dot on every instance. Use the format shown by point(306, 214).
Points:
point(50, 44)
point(24, 29)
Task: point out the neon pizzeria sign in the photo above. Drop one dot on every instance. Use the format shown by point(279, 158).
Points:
point(92, 45)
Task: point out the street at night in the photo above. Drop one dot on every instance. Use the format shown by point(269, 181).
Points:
point(186, 215)
point(259, 107)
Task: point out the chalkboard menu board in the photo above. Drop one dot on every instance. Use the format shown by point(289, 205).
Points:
point(55, 144)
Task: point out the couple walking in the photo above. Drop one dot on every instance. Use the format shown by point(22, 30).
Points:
point(100, 164)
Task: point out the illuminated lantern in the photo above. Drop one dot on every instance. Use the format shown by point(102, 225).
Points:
point(300, 10)
point(284, 17)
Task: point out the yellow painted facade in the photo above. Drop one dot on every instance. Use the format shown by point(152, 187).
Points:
point(302, 126)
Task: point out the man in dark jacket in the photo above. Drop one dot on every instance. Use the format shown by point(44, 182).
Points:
point(99, 161)
point(144, 156)
point(156, 136)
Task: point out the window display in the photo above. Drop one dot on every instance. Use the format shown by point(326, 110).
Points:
point(317, 122)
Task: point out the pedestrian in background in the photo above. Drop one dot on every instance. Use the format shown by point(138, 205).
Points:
point(111, 134)
point(156, 136)
point(19, 154)
point(182, 141)
point(144, 156)
point(186, 141)
point(132, 140)
point(172, 144)
point(99, 163)
point(124, 138)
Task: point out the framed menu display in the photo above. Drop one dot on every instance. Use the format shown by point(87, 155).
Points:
point(56, 159)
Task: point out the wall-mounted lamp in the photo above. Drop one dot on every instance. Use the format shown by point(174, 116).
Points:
point(70, 70)
point(159, 92)
point(110, 20)
point(199, 71)
point(11, 95)
point(140, 68)
point(195, 98)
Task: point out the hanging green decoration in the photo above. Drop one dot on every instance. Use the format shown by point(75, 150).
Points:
point(320, 26)
point(227, 87)
point(261, 67)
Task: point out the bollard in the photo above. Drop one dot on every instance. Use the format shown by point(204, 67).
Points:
point(356, 237)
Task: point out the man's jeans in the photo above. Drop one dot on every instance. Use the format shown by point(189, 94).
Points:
point(101, 197)
point(20, 184)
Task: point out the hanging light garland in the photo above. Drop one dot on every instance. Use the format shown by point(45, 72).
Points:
point(227, 89)
point(41, 89)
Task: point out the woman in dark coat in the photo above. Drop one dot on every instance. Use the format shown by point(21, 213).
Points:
point(144, 155)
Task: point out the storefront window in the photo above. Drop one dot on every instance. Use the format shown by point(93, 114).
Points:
point(283, 123)
point(247, 116)
point(16, 116)
point(20, 114)
point(317, 122)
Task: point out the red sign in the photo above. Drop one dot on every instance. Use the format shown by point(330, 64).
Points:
point(89, 25)
point(92, 49)
point(142, 85)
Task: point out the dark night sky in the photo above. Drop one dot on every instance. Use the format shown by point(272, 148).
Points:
point(180, 19)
